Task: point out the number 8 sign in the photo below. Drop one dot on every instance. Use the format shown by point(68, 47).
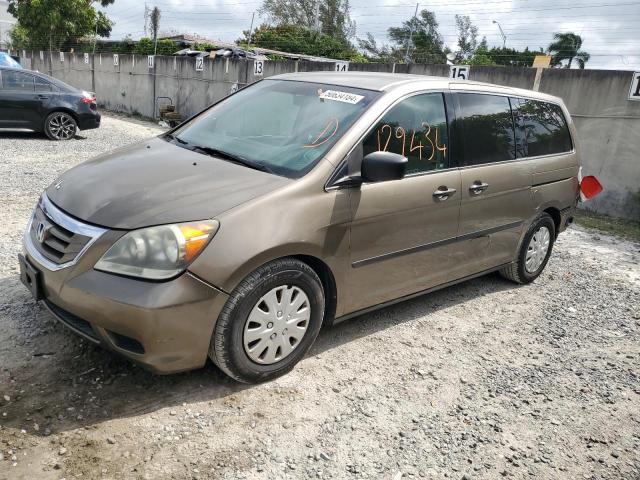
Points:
point(459, 72)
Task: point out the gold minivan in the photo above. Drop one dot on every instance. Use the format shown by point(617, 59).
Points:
point(301, 200)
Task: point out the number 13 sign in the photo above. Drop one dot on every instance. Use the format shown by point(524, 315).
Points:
point(459, 72)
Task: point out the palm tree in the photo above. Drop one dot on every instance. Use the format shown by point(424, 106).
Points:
point(566, 46)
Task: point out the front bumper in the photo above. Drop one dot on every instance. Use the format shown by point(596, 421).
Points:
point(164, 326)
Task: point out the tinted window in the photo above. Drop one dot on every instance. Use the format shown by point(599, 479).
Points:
point(17, 81)
point(541, 128)
point(415, 128)
point(44, 86)
point(487, 127)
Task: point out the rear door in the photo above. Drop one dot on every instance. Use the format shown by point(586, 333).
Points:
point(496, 187)
point(401, 230)
point(19, 104)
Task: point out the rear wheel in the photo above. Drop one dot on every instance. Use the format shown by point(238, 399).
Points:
point(60, 126)
point(534, 252)
point(269, 322)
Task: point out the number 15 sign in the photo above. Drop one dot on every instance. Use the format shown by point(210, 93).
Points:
point(459, 72)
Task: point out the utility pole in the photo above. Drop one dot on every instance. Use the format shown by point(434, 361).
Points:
point(318, 16)
point(407, 59)
point(251, 29)
point(146, 18)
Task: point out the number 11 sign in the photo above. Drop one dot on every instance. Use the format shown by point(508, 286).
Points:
point(634, 91)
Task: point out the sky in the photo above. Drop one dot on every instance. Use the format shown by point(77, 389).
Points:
point(609, 28)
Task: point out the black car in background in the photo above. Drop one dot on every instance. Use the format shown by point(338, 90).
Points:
point(34, 101)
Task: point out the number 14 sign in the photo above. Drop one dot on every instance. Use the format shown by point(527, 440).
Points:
point(459, 72)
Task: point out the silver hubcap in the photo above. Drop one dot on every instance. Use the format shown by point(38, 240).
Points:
point(537, 249)
point(276, 324)
point(62, 126)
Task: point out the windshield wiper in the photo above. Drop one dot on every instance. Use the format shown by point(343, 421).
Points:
point(172, 137)
point(232, 157)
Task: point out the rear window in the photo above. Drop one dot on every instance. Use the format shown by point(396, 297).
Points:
point(541, 128)
point(487, 127)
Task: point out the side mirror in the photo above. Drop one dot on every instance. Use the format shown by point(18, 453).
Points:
point(383, 166)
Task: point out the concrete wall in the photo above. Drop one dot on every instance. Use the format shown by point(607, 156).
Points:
point(608, 124)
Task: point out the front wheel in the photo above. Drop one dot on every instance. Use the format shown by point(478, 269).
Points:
point(534, 252)
point(269, 322)
point(60, 126)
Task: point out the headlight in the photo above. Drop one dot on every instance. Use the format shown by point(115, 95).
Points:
point(158, 253)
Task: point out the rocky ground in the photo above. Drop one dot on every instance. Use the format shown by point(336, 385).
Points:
point(482, 380)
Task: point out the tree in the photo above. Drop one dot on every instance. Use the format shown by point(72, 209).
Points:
point(301, 40)
point(467, 38)
point(155, 26)
point(373, 51)
point(53, 23)
point(331, 17)
point(426, 42)
point(513, 58)
point(481, 55)
point(566, 46)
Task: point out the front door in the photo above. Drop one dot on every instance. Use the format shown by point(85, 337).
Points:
point(496, 188)
point(19, 103)
point(402, 231)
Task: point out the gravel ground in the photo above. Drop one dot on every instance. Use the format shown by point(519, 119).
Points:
point(482, 380)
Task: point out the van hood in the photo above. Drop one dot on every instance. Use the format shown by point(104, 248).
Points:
point(156, 182)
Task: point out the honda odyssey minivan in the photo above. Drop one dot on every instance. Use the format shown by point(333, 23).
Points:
point(301, 200)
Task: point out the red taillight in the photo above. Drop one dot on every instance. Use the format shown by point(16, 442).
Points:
point(88, 97)
point(590, 187)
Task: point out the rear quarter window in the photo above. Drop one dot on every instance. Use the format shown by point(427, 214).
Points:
point(487, 128)
point(541, 128)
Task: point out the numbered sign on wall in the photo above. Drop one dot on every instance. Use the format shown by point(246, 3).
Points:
point(258, 68)
point(86, 58)
point(62, 56)
point(199, 64)
point(342, 67)
point(150, 60)
point(634, 91)
point(459, 72)
point(116, 59)
point(234, 88)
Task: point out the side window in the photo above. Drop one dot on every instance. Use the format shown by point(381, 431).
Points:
point(541, 128)
point(17, 81)
point(416, 128)
point(487, 127)
point(43, 85)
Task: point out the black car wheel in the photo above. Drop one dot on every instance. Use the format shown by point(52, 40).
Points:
point(60, 126)
point(269, 322)
point(534, 252)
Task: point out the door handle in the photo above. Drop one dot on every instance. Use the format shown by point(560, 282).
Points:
point(478, 187)
point(43, 97)
point(443, 193)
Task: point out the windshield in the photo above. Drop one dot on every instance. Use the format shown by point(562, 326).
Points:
point(7, 61)
point(283, 127)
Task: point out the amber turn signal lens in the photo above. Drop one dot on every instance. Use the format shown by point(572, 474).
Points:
point(196, 237)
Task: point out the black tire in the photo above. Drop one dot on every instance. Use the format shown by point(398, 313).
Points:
point(60, 126)
point(227, 348)
point(517, 271)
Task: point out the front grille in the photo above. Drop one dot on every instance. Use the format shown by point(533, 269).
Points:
point(55, 239)
point(69, 319)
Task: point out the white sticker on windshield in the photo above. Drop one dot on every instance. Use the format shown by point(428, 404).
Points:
point(345, 97)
